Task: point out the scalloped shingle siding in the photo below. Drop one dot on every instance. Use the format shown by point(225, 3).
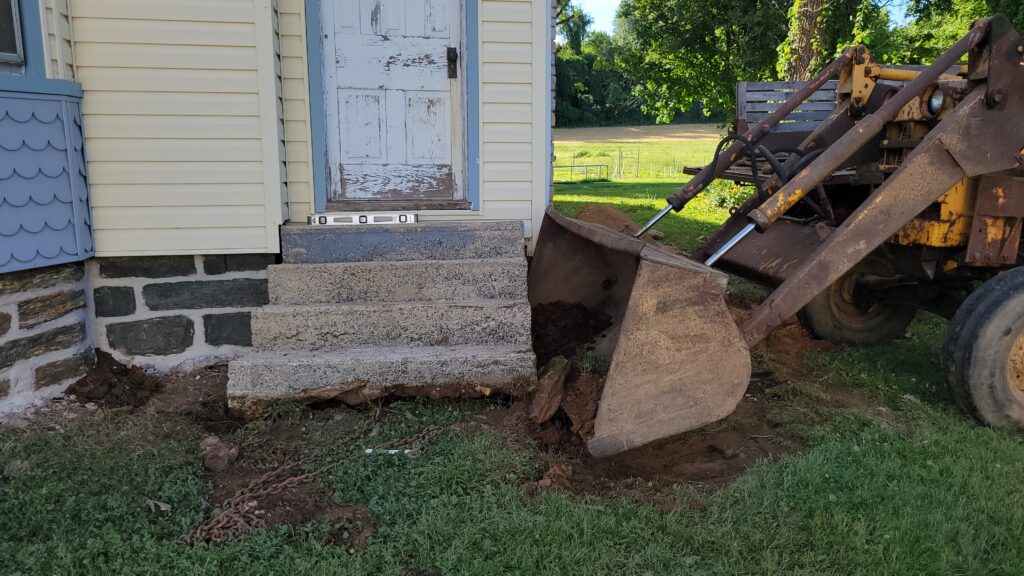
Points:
point(44, 205)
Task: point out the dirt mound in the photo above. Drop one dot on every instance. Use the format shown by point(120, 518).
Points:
point(714, 455)
point(608, 216)
point(200, 394)
point(112, 384)
point(561, 329)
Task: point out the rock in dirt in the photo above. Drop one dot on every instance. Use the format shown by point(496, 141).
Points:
point(16, 469)
point(559, 476)
point(550, 388)
point(218, 454)
point(582, 397)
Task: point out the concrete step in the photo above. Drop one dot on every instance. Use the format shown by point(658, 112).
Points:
point(302, 244)
point(414, 280)
point(359, 375)
point(338, 326)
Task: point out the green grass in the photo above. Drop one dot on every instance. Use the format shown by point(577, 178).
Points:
point(908, 366)
point(649, 160)
point(934, 495)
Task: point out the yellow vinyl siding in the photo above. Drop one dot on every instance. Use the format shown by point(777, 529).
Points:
point(58, 41)
point(182, 122)
point(514, 74)
point(295, 95)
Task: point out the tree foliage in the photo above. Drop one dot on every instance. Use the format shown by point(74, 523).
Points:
point(669, 56)
point(591, 88)
point(684, 53)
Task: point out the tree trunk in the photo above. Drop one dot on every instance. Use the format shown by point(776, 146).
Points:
point(804, 28)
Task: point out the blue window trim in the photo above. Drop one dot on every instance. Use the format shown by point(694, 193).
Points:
point(318, 107)
point(33, 78)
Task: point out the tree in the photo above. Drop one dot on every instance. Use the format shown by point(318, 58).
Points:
point(799, 51)
point(688, 53)
point(575, 26)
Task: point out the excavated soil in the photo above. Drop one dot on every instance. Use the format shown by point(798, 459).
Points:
point(561, 329)
point(608, 216)
point(199, 394)
point(712, 455)
point(113, 385)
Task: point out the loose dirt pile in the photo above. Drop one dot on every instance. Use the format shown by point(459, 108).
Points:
point(608, 216)
point(112, 384)
point(712, 455)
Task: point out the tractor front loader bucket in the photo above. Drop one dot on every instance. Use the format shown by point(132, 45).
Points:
point(678, 360)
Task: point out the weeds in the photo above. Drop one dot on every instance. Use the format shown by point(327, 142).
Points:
point(593, 363)
point(727, 195)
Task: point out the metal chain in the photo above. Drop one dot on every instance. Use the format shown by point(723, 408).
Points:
point(238, 515)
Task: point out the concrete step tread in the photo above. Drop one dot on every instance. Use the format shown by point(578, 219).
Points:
point(342, 325)
point(359, 375)
point(497, 261)
point(398, 281)
point(403, 242)
point(369, 354)
point(410, 305)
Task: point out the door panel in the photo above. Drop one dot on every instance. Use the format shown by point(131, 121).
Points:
point(393, 110)
point(362, 126)
point(429, 134)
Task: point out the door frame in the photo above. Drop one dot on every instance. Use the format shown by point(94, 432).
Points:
point(316, 32)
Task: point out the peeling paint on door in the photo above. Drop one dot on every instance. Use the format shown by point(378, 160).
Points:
point(393, 109)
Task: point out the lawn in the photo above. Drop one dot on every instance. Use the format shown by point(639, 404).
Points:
point(897, 483)
point(649, 152)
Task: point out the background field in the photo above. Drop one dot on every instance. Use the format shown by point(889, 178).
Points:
point(633, 152)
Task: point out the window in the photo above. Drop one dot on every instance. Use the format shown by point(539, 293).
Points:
point(10, 33)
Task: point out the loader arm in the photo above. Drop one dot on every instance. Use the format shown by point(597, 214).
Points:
point(982, 135)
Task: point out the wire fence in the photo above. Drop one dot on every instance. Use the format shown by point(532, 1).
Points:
point(622, 165)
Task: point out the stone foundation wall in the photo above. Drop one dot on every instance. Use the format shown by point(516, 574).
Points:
point(44, 334)
point(169, 312)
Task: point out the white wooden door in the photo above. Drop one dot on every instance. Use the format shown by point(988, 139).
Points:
point(394, 99)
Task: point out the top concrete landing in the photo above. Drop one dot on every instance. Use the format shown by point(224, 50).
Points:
point(301, 244)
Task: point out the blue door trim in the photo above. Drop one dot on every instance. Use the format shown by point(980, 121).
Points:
point(318, 107)
point(473, 163)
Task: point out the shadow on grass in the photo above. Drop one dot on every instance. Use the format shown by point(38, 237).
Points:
point(641, 200)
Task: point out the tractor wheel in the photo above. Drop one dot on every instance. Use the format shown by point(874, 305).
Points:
point(835, 316)
point(984, 352)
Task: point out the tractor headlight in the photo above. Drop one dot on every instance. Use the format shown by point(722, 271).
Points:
point(936, 101)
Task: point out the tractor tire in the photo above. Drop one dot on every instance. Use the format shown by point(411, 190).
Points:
point(983, 356)
point(833, 315)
